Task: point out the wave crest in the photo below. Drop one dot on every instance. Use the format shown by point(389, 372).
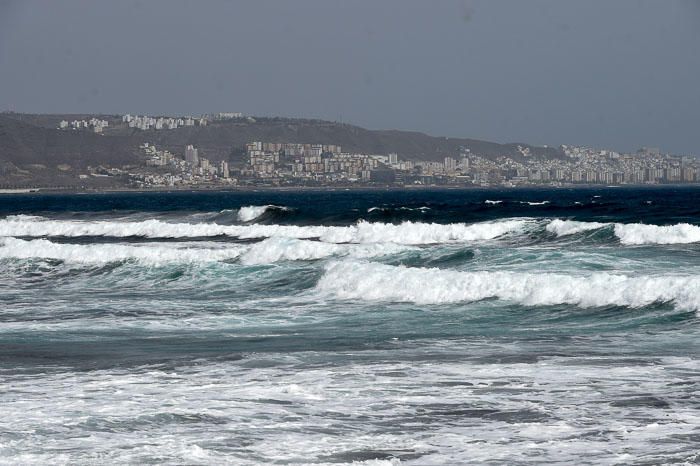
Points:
point(380, 282)
point(572, 227)
point(638, 233)
point(150, 253)
point(409, 233)
point(290, 249)
point(268, 251)
point(252, 212)
point(631, 234)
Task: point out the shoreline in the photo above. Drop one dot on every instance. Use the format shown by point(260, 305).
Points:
point(251, 189)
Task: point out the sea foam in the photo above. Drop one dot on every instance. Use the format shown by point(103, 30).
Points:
point(571, 227)
point(268, 251)
point(638, 233)
point(250, 213)
point(410, 233)
point(150, 253)
point(632, 233)
point(290, 249)
point(380, 282)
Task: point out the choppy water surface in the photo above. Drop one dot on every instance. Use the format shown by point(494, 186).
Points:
point(375, 328)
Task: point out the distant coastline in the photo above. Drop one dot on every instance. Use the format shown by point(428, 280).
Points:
point(359, 189)
point(231, 151)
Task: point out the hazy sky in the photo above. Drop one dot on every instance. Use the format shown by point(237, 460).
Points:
point(605, 73)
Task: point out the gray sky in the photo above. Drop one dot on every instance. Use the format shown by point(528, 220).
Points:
point(606, 73)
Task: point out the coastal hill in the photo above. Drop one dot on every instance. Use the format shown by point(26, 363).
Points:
point(33, 149)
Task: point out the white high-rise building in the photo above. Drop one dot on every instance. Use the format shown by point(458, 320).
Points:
point(191, 155)
point(393, 158)
point(223, 169)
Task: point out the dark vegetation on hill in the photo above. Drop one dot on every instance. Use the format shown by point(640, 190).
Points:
point(31, 146)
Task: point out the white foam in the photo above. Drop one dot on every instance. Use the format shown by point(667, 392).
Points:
point(638, 233)
point(290, 249)
point(632, 233)
point(571, 227)
point(534, 203)
point(489, 201)
point(150, 253)
point(250, 213)
point(363, 232)
point(422, 209)
point(422, 233)
point(380, 282)
point(21, 225)
point(268, 251)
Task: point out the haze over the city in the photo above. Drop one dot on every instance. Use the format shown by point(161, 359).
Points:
point(617, 74)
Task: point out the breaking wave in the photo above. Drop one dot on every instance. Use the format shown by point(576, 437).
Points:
point(410, 233)
point(150, 253)
point(265, 252)
point(363, 232)
point(638, 233)
point(250, 213)
point(289, 249)
point(380, 282)
point(632, 233)
point(571, 227)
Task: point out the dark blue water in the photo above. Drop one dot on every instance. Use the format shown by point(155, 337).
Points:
point(660, 205)
point(351, 327)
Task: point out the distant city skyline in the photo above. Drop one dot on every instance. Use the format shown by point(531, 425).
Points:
point(617, 75)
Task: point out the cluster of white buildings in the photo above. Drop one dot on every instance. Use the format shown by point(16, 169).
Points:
point(226, 116)
point(146, 122)
point(319, 162)
point(193, 169)
point(450, 166)
point(326, 163)
point(580, 166)
point(94, 124)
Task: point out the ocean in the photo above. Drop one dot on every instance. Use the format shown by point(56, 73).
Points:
point(417, 327)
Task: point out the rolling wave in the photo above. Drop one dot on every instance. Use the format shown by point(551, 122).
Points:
point(362, 232)
point(265, 252)
point(380, 282)
point(151, 253)
point(632, 233)
point(571, 227)
point(254, 212)
point(290, 249)
point(409, 233)
point(682, 233)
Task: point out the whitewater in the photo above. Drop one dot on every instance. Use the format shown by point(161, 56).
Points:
point(360, 328)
